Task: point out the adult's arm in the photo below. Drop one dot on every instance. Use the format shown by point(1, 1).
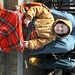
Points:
point(59, 46)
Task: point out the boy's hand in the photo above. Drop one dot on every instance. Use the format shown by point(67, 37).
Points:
point(27, 21)
point(26, 44)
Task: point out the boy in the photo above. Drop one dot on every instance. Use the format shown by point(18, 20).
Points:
point(47, 28)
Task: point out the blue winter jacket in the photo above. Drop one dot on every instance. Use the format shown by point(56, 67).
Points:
point(60, 45)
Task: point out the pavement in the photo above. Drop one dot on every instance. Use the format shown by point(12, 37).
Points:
point(12, 64)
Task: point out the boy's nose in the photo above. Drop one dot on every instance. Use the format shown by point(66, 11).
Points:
point(60, 29)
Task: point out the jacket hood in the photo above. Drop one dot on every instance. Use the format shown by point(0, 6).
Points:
point(68, 23)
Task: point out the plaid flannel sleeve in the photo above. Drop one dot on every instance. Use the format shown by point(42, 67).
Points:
point(11, 37)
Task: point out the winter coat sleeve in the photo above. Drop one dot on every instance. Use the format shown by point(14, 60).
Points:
point(40, 12)
point(37, 43)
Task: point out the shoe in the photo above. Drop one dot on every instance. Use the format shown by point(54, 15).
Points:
point(34, 61)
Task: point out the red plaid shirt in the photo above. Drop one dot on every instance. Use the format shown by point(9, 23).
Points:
point(11, 37)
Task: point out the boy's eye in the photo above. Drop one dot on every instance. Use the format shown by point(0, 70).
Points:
point(61, 30)
point(62, 26)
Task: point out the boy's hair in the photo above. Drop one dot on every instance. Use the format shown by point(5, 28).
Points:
point(64, 33)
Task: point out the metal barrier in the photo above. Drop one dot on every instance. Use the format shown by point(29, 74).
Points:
point(62, 5)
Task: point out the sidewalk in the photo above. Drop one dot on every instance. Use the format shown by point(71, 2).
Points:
point(12, 64)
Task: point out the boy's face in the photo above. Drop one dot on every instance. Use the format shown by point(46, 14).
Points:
point(61, 28)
